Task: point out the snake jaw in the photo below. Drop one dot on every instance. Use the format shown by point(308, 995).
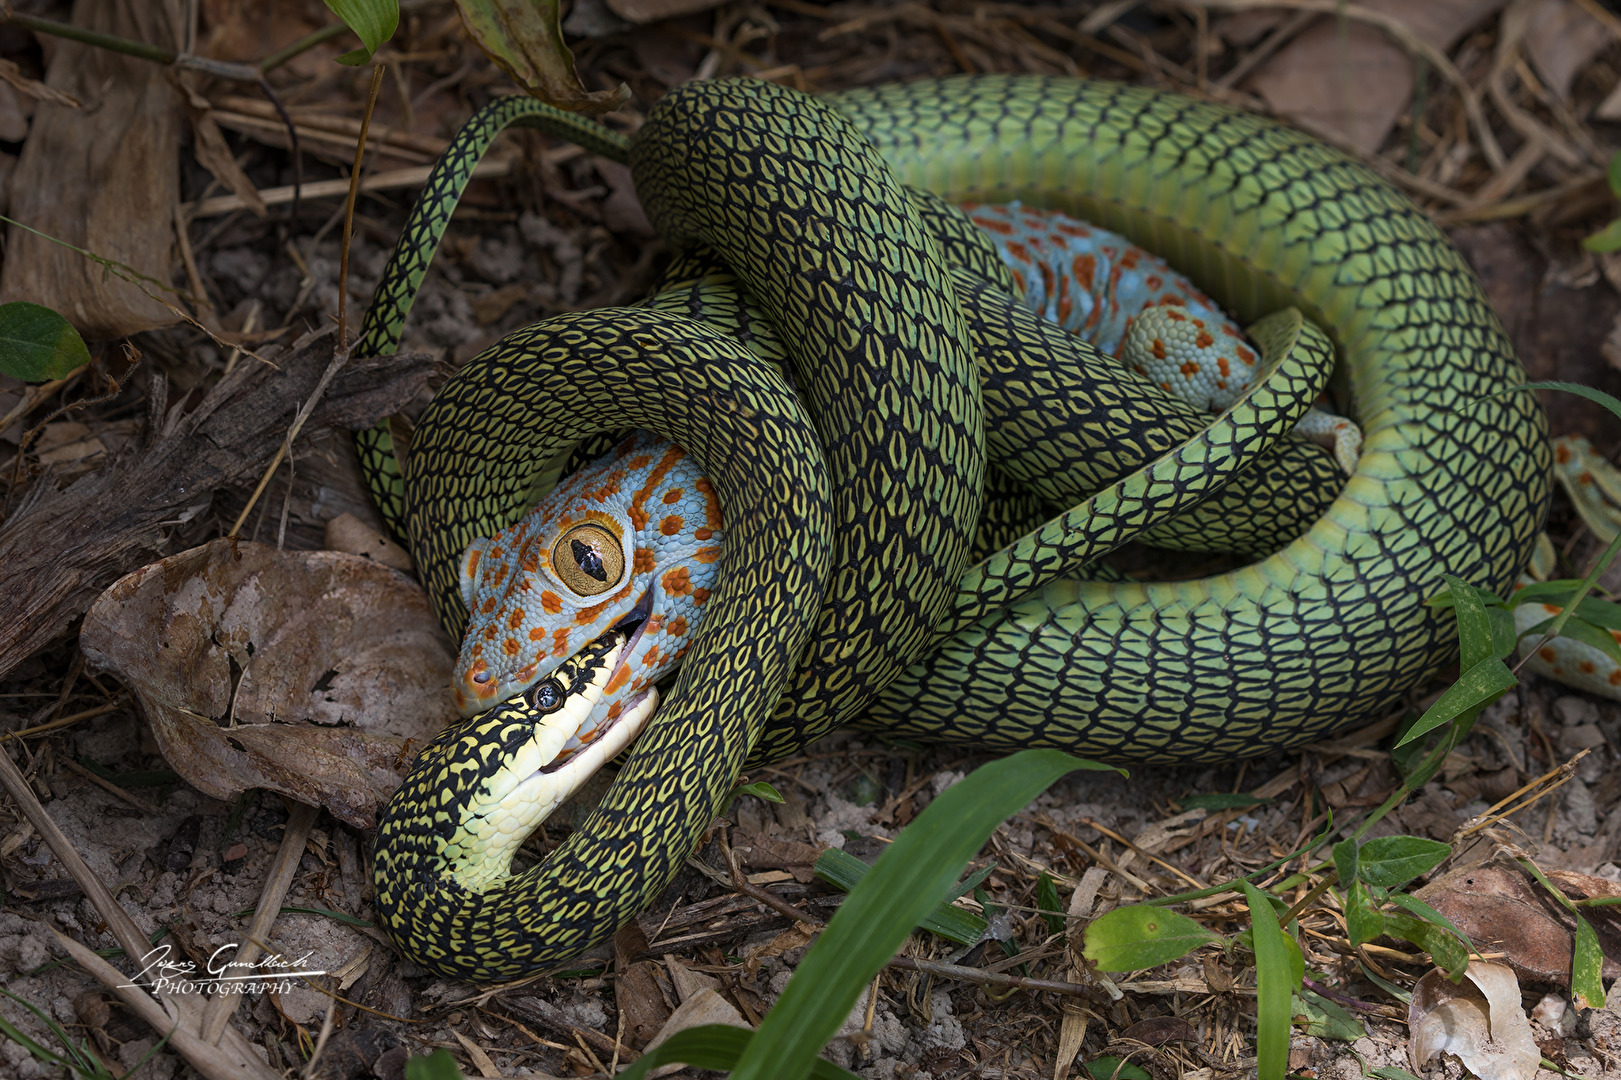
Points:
point(547, 758)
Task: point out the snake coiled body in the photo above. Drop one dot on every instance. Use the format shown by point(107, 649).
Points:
point(1321, 634)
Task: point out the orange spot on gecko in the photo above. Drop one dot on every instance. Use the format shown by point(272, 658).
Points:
point(699, 596)
point(1246, 356)
point(510, 646)
point(673, 496)
point(1158, 349)
point(1085, 268)
point(677, 582)
point(641, 561)
point(1176, 316)
point(1552, 609)
point(1224, 366)
point(1615, 677)
point(678, 626)
point(615, 709)
point(1546, 654)
point(617, 680)
point(550, 602)
point(538, 634)
point(515, 620)
point(671, 525)
point(707, 554)
point(1154, 282)
point(651, 656)
point(1204, 340)
point(638, 518)
point(1190, 369)
point(1587, 667)
point(560, 643)
point(1561, 454)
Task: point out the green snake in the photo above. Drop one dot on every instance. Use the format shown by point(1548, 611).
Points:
point(845, 577)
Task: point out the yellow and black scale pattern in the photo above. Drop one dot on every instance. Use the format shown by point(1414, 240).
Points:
point(1262, 217)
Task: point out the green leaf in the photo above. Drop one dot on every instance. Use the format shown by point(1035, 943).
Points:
point(1579, 629)
point(1586, 986)
point(438, 1065)
point(760, 790)
point(1047, 901)
point(1392, 1072)
point(953, 923)
point(1104, 1068)
point(1474, 629)
point(1326, 1019)
point(1345, 861)
point(37, 344)
point(1221, 800)
point(1272, 987)
point(525, 39)
point(1614, 174)
point(1476, 688)
point(1424, 911)
point(1403, 996)
point(1137, 937)
point(373, 21)
point(1393, 861)
point(713, 1046)
point(1606, 239)
point(909, 879)
point(1503, 636)
point(1363, 922)
point(1447, 951)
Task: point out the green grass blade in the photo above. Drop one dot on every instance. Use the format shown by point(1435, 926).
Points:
point(1474, 628)
point(717, 1047)
point(1586, 984)
point(1272, 987)
point(949, 921)
point(1476, 687)
point(911, 877)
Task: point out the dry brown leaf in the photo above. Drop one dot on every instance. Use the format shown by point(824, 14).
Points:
point(349, 534)
point(215, 155)
point(105, 178)
point(1353, 80)
point(14, 113)
point(311, 673)
point(704, 1007)
point(1478, 1021)
point(1500, 910)
point(525, 39)
point(33, 88)
point(1561, 39)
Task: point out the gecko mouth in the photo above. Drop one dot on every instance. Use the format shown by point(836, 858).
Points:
point(632, 626)
point(638, 708)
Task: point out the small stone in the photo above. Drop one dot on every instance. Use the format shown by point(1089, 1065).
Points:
point(1572, 710)
point(236, 851)
point(1580, 737)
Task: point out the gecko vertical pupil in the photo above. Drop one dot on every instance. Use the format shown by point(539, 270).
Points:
point(589, 560)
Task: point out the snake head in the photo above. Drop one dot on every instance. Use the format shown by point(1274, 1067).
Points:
point(506, 770)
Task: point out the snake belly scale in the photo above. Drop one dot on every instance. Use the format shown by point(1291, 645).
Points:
point(1318, 635)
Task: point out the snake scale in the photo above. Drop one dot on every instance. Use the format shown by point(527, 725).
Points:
point(845, 578)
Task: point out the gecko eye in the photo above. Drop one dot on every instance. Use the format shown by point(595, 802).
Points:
point(588, 559)
point(546, 697)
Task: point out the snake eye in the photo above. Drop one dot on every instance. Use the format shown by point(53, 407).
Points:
point(546, 697)
point(589, 559)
